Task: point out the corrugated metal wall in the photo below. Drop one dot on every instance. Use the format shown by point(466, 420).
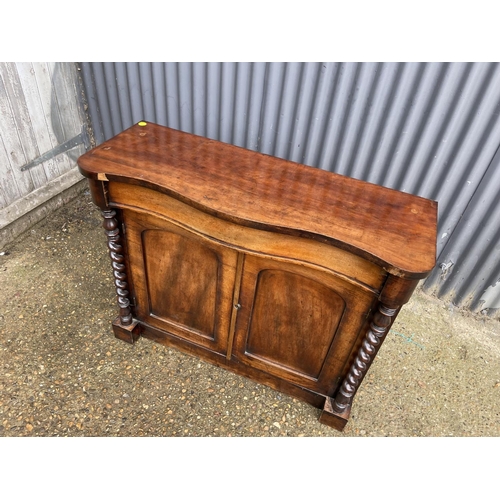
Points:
point(40, 109)
point(431, 129)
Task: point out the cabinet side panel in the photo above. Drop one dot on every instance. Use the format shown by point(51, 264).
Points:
point(182, 280)
point(294, 321)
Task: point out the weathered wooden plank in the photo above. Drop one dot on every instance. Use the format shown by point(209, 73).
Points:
point(8, 187)
point(64, 93)
point(37, 108)
point(38, 197)
point(51, 111)
point(23, 122)
point(41, 127)
point(12, 143)
point(35, 206)
point(65, 85)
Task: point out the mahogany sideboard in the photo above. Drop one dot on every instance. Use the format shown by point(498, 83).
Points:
point(280, 272)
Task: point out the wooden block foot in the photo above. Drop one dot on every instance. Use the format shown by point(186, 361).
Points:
point(130, 333)
point(333, 419)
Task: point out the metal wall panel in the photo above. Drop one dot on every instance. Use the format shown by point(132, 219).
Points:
point(470, 263)
point(430, 129)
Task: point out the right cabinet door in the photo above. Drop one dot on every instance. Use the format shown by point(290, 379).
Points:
point(297, 322)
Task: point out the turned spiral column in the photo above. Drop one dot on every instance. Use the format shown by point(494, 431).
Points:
point(112, 231)
point(377, 331)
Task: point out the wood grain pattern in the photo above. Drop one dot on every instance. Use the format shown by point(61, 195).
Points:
point(293, 321)
point(192, 299)
point(265, 192)
point(333, 310)
point(182, 277)
point(274, 245)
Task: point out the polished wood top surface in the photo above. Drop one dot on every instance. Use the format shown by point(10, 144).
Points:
point(393, 229)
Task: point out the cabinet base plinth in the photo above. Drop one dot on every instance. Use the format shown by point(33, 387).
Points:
point(129, 334)
point(333, 419)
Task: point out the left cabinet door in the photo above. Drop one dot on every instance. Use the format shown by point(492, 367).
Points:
point(183, 282)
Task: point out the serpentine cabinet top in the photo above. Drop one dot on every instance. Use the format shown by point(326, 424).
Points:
point(392, 229)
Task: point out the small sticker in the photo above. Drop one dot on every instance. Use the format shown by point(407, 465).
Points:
point(142, 124)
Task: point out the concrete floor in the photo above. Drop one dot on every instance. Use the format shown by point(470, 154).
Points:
point(62, 372)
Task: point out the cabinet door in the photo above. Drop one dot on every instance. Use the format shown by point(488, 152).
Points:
point(298, 323)
point(183, 282)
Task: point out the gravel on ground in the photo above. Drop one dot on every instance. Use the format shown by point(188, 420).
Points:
point(62, 372)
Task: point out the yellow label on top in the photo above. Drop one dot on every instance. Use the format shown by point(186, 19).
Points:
point(142, 124)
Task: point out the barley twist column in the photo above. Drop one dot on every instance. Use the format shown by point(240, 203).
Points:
point(378, 329)
point(112, 231)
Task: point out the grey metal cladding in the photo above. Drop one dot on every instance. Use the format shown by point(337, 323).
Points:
point(430, 129)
